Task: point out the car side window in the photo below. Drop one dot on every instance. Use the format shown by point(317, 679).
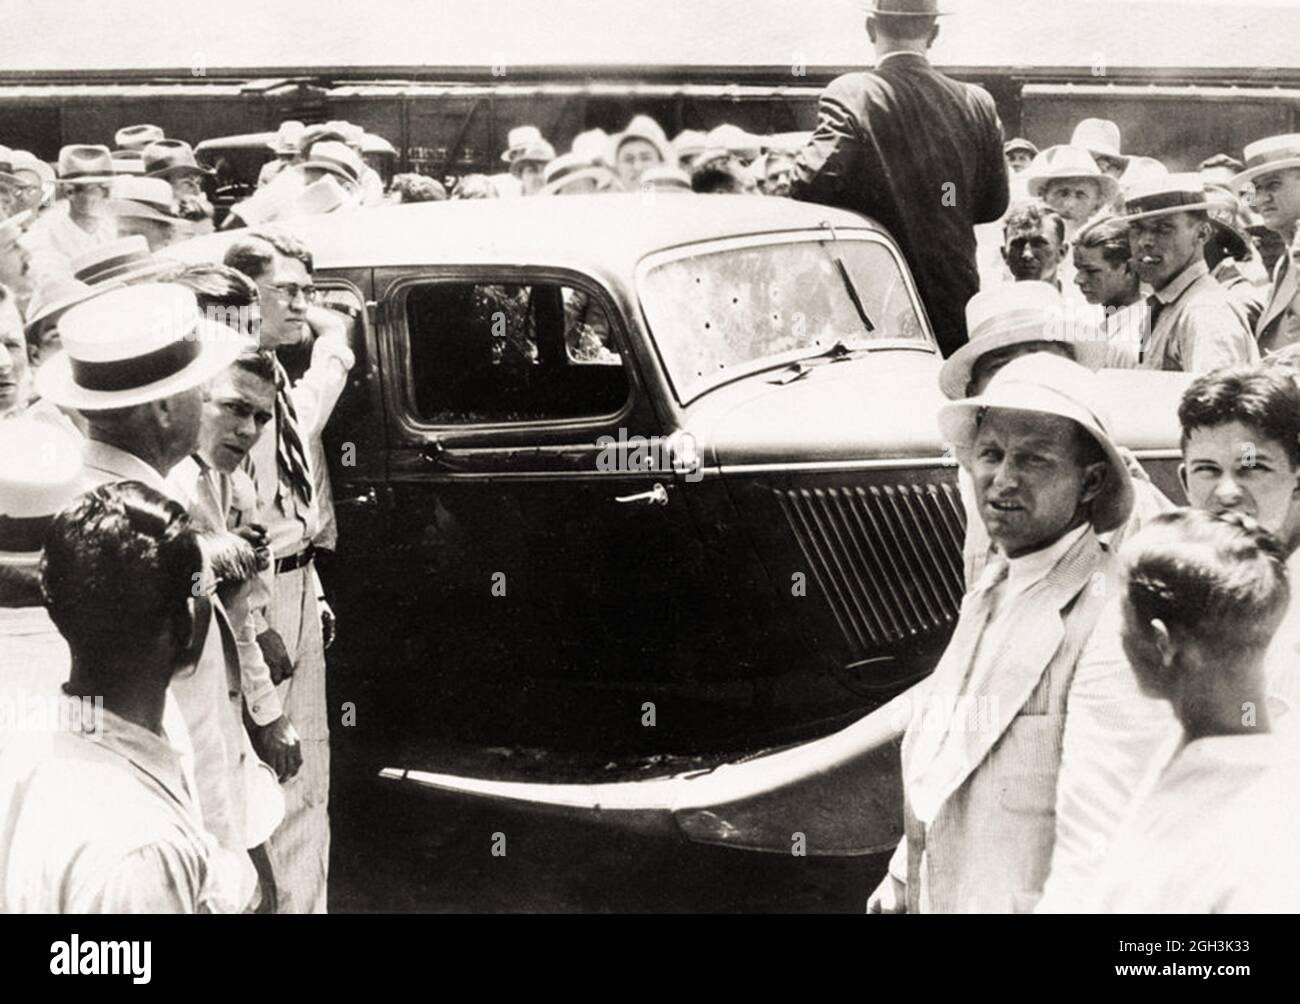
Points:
point(485, 353)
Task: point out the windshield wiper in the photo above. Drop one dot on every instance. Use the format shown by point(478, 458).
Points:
point(852, 290)
point(800, 368)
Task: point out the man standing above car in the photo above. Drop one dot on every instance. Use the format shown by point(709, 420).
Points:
point(916, 150)
point(1273, 166)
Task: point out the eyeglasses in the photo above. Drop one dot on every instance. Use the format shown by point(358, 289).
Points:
point(290, 291)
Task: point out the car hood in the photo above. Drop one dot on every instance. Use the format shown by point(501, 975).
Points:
point(884, 405)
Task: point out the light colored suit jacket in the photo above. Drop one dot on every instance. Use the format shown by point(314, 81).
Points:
point(1278, 326)
point(989, 846)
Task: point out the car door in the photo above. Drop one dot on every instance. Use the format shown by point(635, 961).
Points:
point(546, 565)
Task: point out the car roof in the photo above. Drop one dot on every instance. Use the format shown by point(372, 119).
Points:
point(598, 231)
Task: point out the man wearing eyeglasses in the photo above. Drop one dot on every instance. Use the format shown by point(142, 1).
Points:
point(289, 505)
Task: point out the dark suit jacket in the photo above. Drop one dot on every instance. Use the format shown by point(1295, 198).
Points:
point(921, 154)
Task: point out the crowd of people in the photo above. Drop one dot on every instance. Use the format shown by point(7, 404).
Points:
point(163, 501)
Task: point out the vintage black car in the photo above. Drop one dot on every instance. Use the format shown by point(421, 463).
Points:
point(644, 474)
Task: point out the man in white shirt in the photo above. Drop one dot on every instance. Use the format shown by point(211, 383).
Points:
point(290, 628)
point(101, 817)
point(1105, 276)
point(1215, 831)
point(1026, 677)
point(83, 222)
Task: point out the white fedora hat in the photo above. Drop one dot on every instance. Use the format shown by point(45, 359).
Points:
point(1062, 162)
point(148, 198)
point(41, 474)
point(336, 158)
point(286, 139)
point(1264, 156)
point(1015, 313)
point(1100, 137)
point(641, 127)
point(518, 138)
point(1164, 195)
point(1050, 385)
point(592, 145)
point(135, 345)
point(84, 164)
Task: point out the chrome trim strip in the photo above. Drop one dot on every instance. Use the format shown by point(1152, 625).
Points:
point(888, 464)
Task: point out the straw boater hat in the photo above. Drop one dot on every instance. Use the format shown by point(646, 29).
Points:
point(41, 475)
point(1061, 163)
point(1276, 153)
point(568, 169)
point(1165, 195)
point(57, 294)
point(172, 156)
point(517, 139)
point(135, 345)
point(1013, 313)
point(285, 142)
point(665, 178)
point(82, 164)
point(137, 137)
point(143, 198)
point(1048, 384)
point(126, 259)
point(1100, 137)
point(336, 158)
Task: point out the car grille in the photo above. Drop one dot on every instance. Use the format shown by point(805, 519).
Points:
point(887, 558)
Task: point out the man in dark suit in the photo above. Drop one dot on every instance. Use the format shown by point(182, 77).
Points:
point(917, 151)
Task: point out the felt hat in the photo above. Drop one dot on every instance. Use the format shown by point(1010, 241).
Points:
point(137, 137)
point(172, 157)
point(85, 164)
point(142, 197)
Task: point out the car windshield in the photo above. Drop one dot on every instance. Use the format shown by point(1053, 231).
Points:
point(720, 313)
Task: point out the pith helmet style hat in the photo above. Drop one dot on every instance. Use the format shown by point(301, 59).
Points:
point(1050, 385)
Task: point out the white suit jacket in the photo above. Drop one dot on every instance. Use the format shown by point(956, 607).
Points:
point(1063, 740)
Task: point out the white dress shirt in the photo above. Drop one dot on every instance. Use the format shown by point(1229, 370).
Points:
point(1215, 832)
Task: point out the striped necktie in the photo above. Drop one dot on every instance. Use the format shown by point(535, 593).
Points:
point(290, 457)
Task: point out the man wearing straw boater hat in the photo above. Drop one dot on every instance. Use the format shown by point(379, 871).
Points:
point(1273, 168)
point(1194, 326)
point(85, 174)
point(1027, 686)
point(916, 150)
point(134, 363)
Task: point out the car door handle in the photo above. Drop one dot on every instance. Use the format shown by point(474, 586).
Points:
point(658, 495)
point(370, 498)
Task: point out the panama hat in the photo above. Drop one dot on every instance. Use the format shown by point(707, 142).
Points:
point(172, 156)
point(135, 345)
point(1050, 385)
point(518, 138)
point(137, 137)
point(1164, 195)
point(125, 259)
point(641, 127)
point(1264, 156)
point(1014, 313)
point(142, 197)
point(287, 138)
point(1061, 162)
point(83, 164)
point(41, 475)
point(336, 158)
point(1100, 137)
point(56, 294)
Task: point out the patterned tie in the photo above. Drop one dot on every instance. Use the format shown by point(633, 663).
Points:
point(290, 457)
